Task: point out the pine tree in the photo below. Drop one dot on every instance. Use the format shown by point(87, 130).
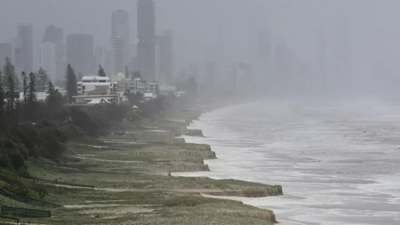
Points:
point(25, 93)
point(54, 101)
point(2, 94)
point(126, 72)
point(11, 101)
point(136, 74)
point(17, 110)
point(1, 77)
point(9, 71)
point(50, 97)
point(70, 84)
point(2, 103)
point(42, 79)
point(32, 99)
point(101, 72)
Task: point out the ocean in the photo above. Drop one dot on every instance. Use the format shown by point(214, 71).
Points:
point(338, 163)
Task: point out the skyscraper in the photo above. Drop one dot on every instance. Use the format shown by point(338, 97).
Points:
point(25, 39)
point(16, 58)
point(5, 51)
point(100, 54)
point(284, 66)
point(211, 73)
point(118, 48)
point(120, 40)
point(120, 24)
point(147, 39)
point(264, 50)
point(165, 57)
point(80, 53)
point(322, 56)
point(48, 59)
point(343, 55)
point(55, 35)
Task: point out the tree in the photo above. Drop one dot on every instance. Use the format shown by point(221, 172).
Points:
point(126, 72)
point(192, 87)
point(2, 93)
point(25, 93)
point(54, 102)
point(11, 101)
point(9, 71)
point(41, 79)
point(31, 100)
point(136, 74)
point(70, 84)
point(17, 111)
point(101, 72)
point(2, 103)
point(83, 120)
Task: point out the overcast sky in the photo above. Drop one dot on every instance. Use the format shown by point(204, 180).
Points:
point(201, 25)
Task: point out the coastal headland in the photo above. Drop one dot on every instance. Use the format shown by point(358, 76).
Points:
point(126, 179)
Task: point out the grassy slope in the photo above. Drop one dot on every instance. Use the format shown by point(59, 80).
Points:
point(132, 186)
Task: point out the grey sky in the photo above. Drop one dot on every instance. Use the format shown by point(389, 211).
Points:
point(196, 25)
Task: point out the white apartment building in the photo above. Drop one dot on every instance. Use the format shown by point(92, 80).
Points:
point(135, 85)
point(95, 89)
point(48, 59)
point(152, 87)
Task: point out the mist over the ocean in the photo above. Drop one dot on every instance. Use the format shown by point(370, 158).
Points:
point(338, 163)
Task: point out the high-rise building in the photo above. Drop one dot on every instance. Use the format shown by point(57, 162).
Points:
point(100, 54)
point(165, 57)
point(120, 24)
point(5, 51)
point(211, 73)
point(117, 56)
point(25, 39)
point(16, 58)
point(80, 53)
point(132, 62)
point(48, 59)
point(322, 57)
point(120, 35)
point(55, 35)
point(284, 67)
point(343, 55)
point(264, 50)
point(147, 39)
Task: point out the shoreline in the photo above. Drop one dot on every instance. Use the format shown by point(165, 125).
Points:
point(244, 199)
point(226, 196)
point(125, 179)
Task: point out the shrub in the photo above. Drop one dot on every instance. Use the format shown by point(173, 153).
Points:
point(12, 153)
point(50, 147)
point(72, 131)
point(82, 120)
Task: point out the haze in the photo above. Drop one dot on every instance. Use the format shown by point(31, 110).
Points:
point(204, 27)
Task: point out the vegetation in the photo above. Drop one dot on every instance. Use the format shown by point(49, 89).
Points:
point(70, 84)
point(58, 146)
point(101, 72)
point(41, 129)
point(42, 79)
point(9, 72)
point(136, 74)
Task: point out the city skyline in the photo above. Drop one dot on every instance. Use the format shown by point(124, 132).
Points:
point(147, 39)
